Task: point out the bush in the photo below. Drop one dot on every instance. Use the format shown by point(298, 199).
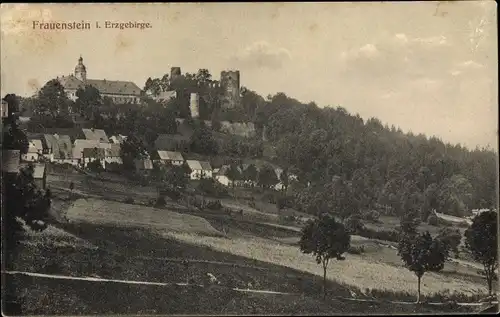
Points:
point(214, 205)
point(160, 202)
point(113, 167)
point(433, 220)
point(356, 250)
point(391, 235)
point(212, 188)
point(129, 200)
point(353, 224)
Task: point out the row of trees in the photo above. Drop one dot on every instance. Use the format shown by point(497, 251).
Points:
point(327, 239)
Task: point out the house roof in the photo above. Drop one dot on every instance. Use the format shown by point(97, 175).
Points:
point(199, 165)
point(35, 146)
point(72, 133)
point(83, 144)
point(113, 87)
point(95, 134)
point(114, 150)
point(166, 95)
point(59, 144)
point(170, 156)
point(118, 138)
point(224, 170)
point(94, 153)
point(38, 169)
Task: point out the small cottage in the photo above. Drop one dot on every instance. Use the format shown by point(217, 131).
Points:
point(199, 169)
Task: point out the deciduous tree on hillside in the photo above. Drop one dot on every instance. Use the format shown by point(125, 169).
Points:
point(481, 241)
point(421, 253)
point(325, 239)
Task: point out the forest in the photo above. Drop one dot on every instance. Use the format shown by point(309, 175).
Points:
point(342, 162)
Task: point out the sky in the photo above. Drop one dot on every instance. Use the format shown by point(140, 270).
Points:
point(427, 67)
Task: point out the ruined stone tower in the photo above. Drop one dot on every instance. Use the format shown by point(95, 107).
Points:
point(230, 83)
point(175, 72)
point(194, 105)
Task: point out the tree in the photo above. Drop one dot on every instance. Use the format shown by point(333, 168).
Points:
point(421, 253)
point(21, 199)
point(132, 149)
point(481, 241)
point(285, 179)
point(95, 166)
point(451, 239)
point(250, 174)
point(325, 239)
point(52, 99)
point(267, 177)
point(89, 102)
point(233, 174)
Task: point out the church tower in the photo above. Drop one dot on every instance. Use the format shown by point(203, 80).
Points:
point(81, 70)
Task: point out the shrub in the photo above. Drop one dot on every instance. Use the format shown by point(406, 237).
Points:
point(269, 198)
point(214, 205)
point(113, 167)
point(212, 188)
point(356, 250)
point(391, 235)
point(160, 202)
point(353, 224)
point(129, 200)
point(433, 220)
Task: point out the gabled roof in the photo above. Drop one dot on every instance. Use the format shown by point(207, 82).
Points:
point(199, 165)
point(118, 139)
point(89, 144)
point(35, 146)
point(96, 134)
point(166, 95)
point(170, 156)
point(224, 170)
point(60, 145)
point(70, 82)
point(115, 87)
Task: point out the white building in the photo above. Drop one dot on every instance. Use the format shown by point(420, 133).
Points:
point(199, 169)
point(175, 158)
point(35, 151)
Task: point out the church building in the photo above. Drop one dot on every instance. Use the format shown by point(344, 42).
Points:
point(119, 91)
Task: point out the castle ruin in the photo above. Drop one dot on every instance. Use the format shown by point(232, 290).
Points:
point(230, 83)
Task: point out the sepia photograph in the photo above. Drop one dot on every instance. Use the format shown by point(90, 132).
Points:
point(217, 159)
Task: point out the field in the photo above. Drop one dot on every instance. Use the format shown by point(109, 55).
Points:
point(98, 236)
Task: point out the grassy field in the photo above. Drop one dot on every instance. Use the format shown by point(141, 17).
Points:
point(110, 239)
point(249, 241)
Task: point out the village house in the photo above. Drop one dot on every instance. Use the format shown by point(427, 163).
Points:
point(113, 155)
point(35, 151)
point(95, 135)
point(222, 175)
point(280, 185)
point(59, 148)
point(175, 158)
point(117, 139)
point(80, 145)
point(199, 169)
point(93, 154)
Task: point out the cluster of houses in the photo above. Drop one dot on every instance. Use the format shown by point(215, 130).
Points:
point(79, 147)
